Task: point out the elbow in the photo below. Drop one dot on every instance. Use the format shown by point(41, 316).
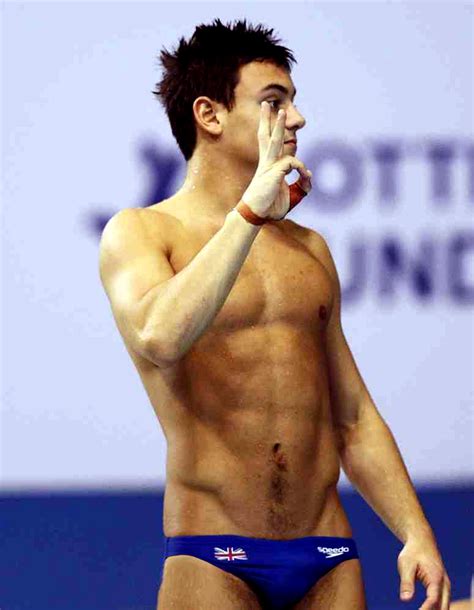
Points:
point(162, 353)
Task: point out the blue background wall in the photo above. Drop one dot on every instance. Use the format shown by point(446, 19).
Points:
point(96, 551)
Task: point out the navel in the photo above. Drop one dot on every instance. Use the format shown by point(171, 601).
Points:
point(322, 312)
point(279, 457)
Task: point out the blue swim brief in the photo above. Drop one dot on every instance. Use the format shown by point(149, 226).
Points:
point(280, 572)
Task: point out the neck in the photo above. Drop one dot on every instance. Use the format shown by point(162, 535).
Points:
point(215, 183)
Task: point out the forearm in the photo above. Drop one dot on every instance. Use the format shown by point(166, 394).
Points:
point(179, 311)
point(373, 463)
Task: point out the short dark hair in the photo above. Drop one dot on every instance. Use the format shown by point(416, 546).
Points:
point(208, 64)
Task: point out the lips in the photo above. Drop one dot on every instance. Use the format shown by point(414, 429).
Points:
point(290, 142)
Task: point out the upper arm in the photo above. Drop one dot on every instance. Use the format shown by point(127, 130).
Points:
point(347, 387)
point(132, 261)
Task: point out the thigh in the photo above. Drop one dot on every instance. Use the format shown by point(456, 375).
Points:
point(190, 583)
point(339, 589)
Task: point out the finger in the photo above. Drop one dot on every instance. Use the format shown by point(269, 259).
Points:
point(305, 179)
point(278, 134)
point(264, 131)
point(288, 163)
point(407, 578)
point(446, 595)
point(433, 597)
point(297, 192)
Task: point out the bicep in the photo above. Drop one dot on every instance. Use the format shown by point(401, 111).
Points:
point(133, 261)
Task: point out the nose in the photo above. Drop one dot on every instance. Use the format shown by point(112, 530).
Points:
point(294, 119)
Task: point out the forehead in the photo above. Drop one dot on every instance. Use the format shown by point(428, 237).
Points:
point(256, 75)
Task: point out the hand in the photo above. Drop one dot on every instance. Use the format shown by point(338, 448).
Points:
point(268, 194)
point(420, 559)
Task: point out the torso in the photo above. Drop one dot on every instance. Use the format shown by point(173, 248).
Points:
point(251, 448)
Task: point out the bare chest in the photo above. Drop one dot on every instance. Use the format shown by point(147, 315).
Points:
point(281, 281)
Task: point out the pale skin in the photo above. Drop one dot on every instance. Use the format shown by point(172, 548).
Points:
point(268, 404)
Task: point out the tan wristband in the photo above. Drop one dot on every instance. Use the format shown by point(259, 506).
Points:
point(244, 210)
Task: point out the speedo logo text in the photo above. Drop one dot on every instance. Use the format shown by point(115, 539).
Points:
point(329, 552)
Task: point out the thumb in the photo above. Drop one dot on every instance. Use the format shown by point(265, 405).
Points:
point(407, 576)
point(297, 192)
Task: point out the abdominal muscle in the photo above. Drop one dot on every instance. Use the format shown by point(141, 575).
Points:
point(251, 445)
point(257, 502)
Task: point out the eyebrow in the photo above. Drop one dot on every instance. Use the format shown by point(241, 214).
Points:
point(281, 88)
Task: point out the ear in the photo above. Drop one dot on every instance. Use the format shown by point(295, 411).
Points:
point(209, 115)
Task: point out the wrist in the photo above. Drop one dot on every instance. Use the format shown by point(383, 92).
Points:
point(235, 216)
point(244, 210)
point(418, 533)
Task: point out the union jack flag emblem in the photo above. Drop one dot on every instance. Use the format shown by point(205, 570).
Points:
point(229, 554)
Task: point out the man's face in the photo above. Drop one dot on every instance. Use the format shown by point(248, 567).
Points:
point(240, 133)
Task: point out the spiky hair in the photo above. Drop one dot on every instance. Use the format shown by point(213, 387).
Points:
point(209, 64)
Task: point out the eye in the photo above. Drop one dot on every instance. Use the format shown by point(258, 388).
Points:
point(277, 102)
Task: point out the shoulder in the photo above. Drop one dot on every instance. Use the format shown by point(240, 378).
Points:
point(138, 223)
point(313, 240)
point(317, 245)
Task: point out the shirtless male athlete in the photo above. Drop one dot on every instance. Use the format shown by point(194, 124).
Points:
point(232, 317)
